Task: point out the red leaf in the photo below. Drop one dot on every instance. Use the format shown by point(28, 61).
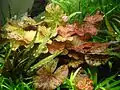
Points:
point(92, 53)
point(86, 29)
point(91, 47)
point(66, 31)
point(61, 73)
point(55, 46)
point(48, 80)
point(85, 84)
point(95, 18)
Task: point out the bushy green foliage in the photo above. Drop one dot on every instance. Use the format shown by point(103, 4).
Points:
point(88, 7)
point(108, 83)
point(8, 84)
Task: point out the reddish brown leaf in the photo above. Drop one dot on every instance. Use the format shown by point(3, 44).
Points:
point(85, 37)
point(66, 31)
point(85, 84)
point(91, 47)
point(49, 79)
point(82, 81)
point(95, 18)
point(93, 53)
point(61, 73)
point(86, 28)
point(55, 46)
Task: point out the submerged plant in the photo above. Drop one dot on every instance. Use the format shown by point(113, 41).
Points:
point(47, 78)
point(8, 84)
point(63, 40)
point(108, 84)
point(78, 81)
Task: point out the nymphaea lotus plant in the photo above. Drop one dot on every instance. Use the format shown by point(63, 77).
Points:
point(23, 31)
point(48, 77)
point(82, 81)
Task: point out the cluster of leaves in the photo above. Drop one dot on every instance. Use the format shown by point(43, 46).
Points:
point(78, 81)
point(49, 50)
point(88, 7)
point(106, 83)
point(28, 40)
point(8, 84)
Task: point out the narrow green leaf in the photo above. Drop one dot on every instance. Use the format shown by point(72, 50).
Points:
point(116, 20)
point(75, 73)
point(110, 10)
point(114, 83)
point(44, 61)
point(116, 29)
point(103, 83)
point(73, 14)
point(115, 88)
point(109, 27)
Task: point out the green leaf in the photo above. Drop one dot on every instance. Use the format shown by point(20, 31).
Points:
point(104, 83)
point(107, 80)
point(116, 29)
point(113, 84)
point(110, 64)
point(115, 88)
point(44, 61)
point(109, 27)
point(110, 10)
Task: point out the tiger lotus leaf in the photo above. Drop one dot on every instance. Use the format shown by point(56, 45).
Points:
point(93, 53)
point(23, 31)
point(65, 32)
point(85, 84)
point(54, 17)
point(48, 78)
point(54, 14)
point(82, 80)
point(54, 46)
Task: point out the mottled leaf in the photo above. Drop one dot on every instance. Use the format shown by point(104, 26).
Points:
point(65, 32)
point(54, 46)
point(61, 73)
point(95, 18)
point(48, 79)
point(91, 47)
point(23, 31)
point(94, 54)
point(84, 83)
point(96, 59)
point(75, 63)
point(86, 30)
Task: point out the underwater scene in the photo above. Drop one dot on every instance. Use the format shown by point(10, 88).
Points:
point(59, 44)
